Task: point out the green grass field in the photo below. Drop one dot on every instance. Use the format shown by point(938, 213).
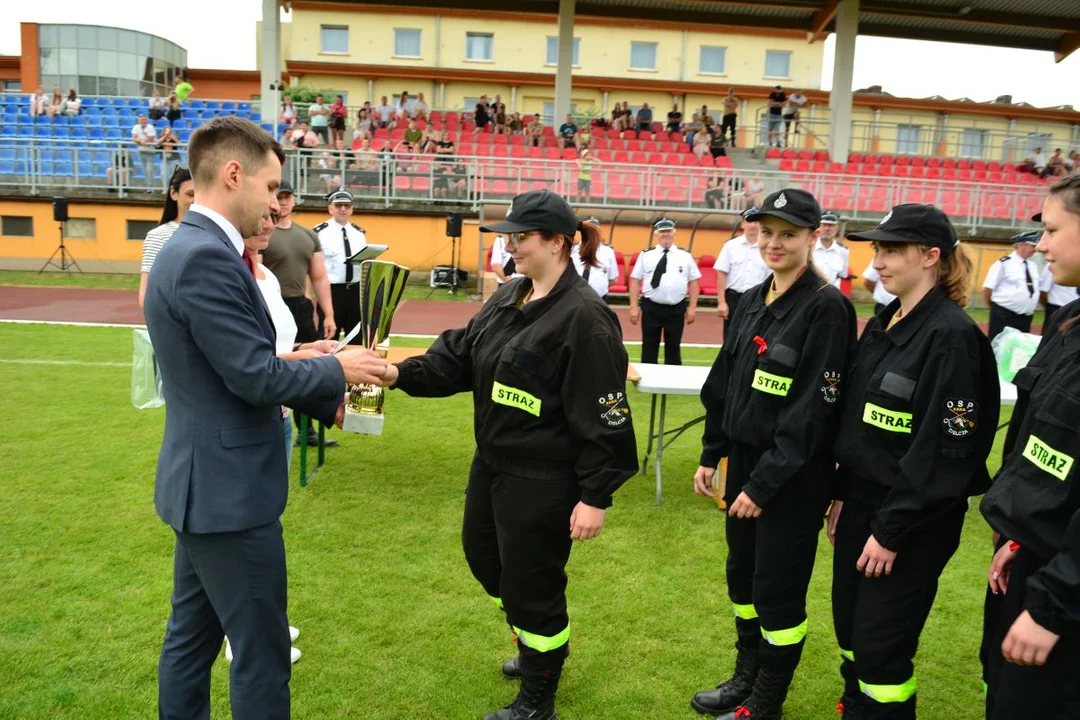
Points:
point(392, 624)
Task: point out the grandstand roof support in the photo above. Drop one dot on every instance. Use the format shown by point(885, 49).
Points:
point(563, 69)
point(270, 62)
point(847, 29)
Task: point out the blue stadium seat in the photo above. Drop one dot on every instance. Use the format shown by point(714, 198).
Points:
point(65, 168)
point(25, 119)
point(95, 121)
point(7, 167)
point(79, 133)
point(112, 122)
point(62, 131)
point(63, 154)
point(45, 168)
point(91, 111)
point(244, 115)
point(97, 133)
point(7, 153)
point(196, 104)
point(183, 134)
point(161, 123)
point(85, 169)
point(245, 106)
point(7, 131)
point(61, 120)
point(228, 106)
point(89, 101)
point(256, 117)
point(268, 127)
point(108, 110)
point(26, 131)
point(135, 103)
point(113, 134)
point(43, 130)
point(213, 105)
point(115, 102)
point(101, 156)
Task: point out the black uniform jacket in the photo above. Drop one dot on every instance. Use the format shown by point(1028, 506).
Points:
point(920, 413)
point(548, 382)
point(1035, 498)
point(776, 383)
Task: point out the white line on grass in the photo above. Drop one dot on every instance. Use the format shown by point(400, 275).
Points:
point(78, 363)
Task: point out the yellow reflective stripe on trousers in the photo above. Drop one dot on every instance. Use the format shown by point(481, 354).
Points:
point(847, 654)
point(889, 693)
point(771, 384)
point(1047, 458)
point(543, 643)
point(790, 636)
point(512, 397)
point(745, 612)
point(891, 420)
point(497, 601)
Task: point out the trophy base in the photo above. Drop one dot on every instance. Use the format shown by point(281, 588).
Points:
point(362, 423)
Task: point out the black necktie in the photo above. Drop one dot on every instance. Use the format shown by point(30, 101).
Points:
point(661, 268)
point(588, 268)
point(348, 254)
point(509, 267)
point(1027, 280)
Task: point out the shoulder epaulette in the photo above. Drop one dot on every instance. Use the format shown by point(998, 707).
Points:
point(1004, 259)
point(320, 227)
point(358, 227)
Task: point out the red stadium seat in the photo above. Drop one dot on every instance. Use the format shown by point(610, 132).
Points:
point(787, 165)
point(619, 286)
point(707, 282)
point(772, 153)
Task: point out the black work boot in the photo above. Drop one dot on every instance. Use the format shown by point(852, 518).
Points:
point(730, 694)
point(852, 700)
point(511, 669)
point(540, 674)
point(766, 701)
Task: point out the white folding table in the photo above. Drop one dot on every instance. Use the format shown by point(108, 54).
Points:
point(661, 381)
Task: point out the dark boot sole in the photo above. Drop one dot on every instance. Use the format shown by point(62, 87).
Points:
point(714, 712)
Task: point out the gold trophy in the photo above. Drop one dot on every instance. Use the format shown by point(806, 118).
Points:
point(381, 287)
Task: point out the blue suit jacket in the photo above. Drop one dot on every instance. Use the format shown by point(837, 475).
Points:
point(222, 462)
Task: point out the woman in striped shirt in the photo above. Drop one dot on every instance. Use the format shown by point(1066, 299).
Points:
point(181, 195)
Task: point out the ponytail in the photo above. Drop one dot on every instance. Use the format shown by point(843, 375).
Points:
point(172, 209)
point(955, 272)
point(590, 241)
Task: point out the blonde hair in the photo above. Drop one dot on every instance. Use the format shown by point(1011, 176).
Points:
point(955, 272)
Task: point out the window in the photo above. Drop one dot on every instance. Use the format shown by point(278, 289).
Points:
point(81, 228)
point(1036, 141)
point(553, 51)
point(479, 46)
point(712, 60)
point(137, 229)
point(13, 86)
point(972, 143)
point(907, 139)
point(778, 63)
point(642, 56)
point(406, 43)
point(334, 39)
point(17, 226)
point(548, 116)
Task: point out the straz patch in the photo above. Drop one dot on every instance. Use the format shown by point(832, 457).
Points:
point(960, 417)
point(891, 420)
point(771, 384)
point(512, 397)
point(614, 410)
point(1047, 458)
point(830, 391)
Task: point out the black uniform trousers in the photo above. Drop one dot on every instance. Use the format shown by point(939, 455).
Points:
point(726, 122)
point(732, 299)
point(1050, 692)
point(771, 558)
point(878, 620)
point(666, 320)
point(236, 584)
point(345, 297)
point(1000, 318)
point(516, 537)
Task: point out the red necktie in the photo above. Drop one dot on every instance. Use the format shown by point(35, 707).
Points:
point(250, 262)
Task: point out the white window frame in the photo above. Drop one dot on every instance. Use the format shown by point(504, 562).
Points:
point(966, 147)
point(419, 43)
point(322, 39)
point(575, 59)
point(1038, 140)
point(701, 59)
point(789, 54)
point(908, 145)
point(547, 114)
point(655, 48)
point(491, 46)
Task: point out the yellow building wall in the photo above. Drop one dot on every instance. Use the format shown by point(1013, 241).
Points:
point(745, 60)
point(371, 37)
point(354, 88)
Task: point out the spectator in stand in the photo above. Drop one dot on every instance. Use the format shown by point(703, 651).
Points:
point(702, 142)
point(39, 102)
point(585, 163)
point(706, 118)
point(405, 154)
point(363, 125)
point(584, 137)
point(365, 164)
point(568, 133)
point(384, 115)
point(332, 167)
point(288, 112)
point(319, 116)
point(404, 109)
point(753, 192)
point(691, 129)
point(430, 142)
point(795, 103)
point(1072, 161)
point(144, 136)
point(414, 135)
point(338, 113)
point(55, 103)
point(420, 108)
point(517, 125)
point(303, 136)
point(535, 132)
point(173, 111)
point(644, 119)
point(716, 192)
point(449, 179)
point(445, 146)
point(1055, 166)
point(717, 142)
point(156, 107)
point(627, 117)
point(183, 88)
point(777, 99)
point(1038, 162)
point(169, 147)
point(499, 120)
point(731, 114)
point(481, 115)
point(498, 104)
point(179, 197)
point(674, 120)
point(72, 106)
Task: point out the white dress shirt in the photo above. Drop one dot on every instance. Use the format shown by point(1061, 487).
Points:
point(881, 295)
point(601, 274)
point(831, 262)
point(500, 256)
point(332, 239)
point(280, 315)
point(680, 272)
point(743, 264)
point(1059, 295)
point(231, 232)
point(1009, 287)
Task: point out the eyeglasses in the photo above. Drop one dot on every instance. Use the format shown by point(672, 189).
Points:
point(343, 206)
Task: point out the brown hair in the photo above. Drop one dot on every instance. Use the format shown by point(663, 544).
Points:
point(229, 138)
point(590, 241)
point(1068, 193)
point(955, 271)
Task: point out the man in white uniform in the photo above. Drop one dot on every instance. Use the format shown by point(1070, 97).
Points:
point(739, 268)
point(341, 239)
point(1011, 288)
point(606, 270)
point(502, 263)
point(830, 257)
point(872, 283)
point(669, 276)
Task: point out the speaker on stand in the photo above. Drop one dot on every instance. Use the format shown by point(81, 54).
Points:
point(66, 261)
point(450, 276)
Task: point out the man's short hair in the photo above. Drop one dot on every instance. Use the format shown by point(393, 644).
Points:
point(229, 138)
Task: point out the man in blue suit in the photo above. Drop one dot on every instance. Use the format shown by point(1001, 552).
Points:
point(221, 479)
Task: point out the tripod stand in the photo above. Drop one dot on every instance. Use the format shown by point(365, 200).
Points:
point(66, 260)
point(455, 265)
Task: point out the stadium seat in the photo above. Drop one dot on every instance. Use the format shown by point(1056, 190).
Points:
point(619, 286)
point(707, 282)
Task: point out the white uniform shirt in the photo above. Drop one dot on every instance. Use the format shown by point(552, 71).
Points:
point(743, 264)
point(681, 270)
point(500, 256)
point(881, 295)
point(831, 261)
point(601, 274)
point(332, 240)
point(1059, 295)
point(1008, 286)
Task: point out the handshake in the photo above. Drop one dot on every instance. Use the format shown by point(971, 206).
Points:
point(363, 367)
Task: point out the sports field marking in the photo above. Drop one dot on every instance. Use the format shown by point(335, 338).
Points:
point(69, 363)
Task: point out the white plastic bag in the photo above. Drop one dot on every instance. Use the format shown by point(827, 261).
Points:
point(1012, 350)
point(145, 378)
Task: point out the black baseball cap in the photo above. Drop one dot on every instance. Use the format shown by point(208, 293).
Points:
point(1037, 217)
point(913, 223)
point(536, 210)
point(797, 207)
point(285, 188)
point(1030, 237)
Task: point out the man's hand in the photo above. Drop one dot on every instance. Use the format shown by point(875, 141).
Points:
point(691, 315)
point(323, 347)
point(362, 366)
point(875, 559)
point(390, 376)
point(1028, 642)
point(744, 508)
point(722, 308)
point(1001, 568)
point(329, 328)
point(635, 315)
point(586, 522)
point(834, 519)
point(703, 481)
point(339, 417)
